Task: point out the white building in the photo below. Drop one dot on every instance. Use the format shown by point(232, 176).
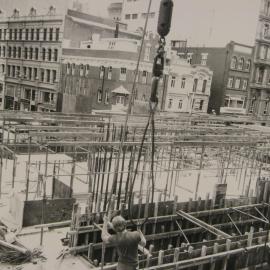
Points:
point(188, 87)
point(133, 13)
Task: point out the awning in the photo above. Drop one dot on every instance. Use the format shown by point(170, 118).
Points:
point(121, 90)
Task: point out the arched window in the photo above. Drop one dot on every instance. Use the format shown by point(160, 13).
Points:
point(241, 63)
point(204, 86)
point(195, 85)
point(248, 64)
point(43, 54)
point(19, 52)
point(55, 55)
point(49, 54)
point(31, 53)
point(233, 62)
point(73, 69)
point(25, 53)
point(81, 69)
point(68, 68)
point(183, 83)
point(99, 95)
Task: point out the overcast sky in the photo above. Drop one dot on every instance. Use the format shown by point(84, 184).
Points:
point(201, 22)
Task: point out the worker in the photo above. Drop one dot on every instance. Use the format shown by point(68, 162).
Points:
point(126, 242)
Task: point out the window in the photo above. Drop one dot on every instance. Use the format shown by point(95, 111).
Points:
point(5, 34)
point(68, 68)
point(31, 53)
point(252, 104)
point(13, 71)
point(99, 95)
point(51, 34)
point(266, 30)
point(170, 103)
point(30, 73)
point(27, 93)
point(73, 69)
point(201, 105)
point(26, 34)
point(55, 55)
point(204, 86)
point(36, 53)
point(54, 75)
point(37, 34)
point(109, 73)
point(81, 70)
point(101, 72)
point(204, 59)
point(173, 82)
point(248, 64)
point(244, 84)
point(180, 104)
point(42, 75)
point(19, 52)
point(237, 84)
point(265, 111)
point(32, 33)
point(1, 34)
point(25, 53)
point(45, 34)
point(87, 69)
point(183, 83)
point(46, 97)
point(35, 74)
point(18, 71)
point(9, 51)
point(14, 52)
point(43, 54)
point(57, 31)
point(127, 16)
point(20, 34)
point(49, 54)
point(144, 76)
point(33, 95)
point(189, 57)
point(48, 78)
point(134, 16)
point(106, 101)
point(8, 70)
point(195, 84)
point(263, 52)
point(259, 74)
point(241, 63)
point(4, 51)
point(234, 62)
point(15, 34)
point(10, 34)
point(123, 74)
point(24, 72)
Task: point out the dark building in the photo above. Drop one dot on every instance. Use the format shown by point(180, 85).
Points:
point(231, 66)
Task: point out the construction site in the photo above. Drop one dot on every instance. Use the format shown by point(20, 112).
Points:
point(197, 186)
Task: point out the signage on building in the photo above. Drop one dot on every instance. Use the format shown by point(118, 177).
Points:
point(232, 110)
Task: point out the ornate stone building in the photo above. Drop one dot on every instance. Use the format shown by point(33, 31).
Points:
point(259, 98)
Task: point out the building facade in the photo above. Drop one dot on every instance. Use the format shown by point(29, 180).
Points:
point(100, 75)
point(30, 50)
point(231, 66)
point(133, 13)
point(188, 87)
point(259, 97)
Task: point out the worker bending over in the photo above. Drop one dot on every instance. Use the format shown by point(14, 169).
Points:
point(126, 242)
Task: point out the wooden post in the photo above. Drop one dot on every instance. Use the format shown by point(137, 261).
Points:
point(28, 169)
point(203, 253)
point(215, 251)
point(160, 257)
point(225, 261)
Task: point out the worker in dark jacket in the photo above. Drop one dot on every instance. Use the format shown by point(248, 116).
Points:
point(126, 242)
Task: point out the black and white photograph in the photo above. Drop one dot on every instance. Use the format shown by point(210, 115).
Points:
point(135, 134)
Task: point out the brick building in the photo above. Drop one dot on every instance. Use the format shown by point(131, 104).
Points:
point(100, 75)
point(260, 83)
point(231, 66)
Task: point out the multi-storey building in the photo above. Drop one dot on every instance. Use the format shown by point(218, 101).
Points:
point(133, 13)
point(231, 66)
point(100, 75)
point(259, 97)
point(30, 50)
point(188, 87)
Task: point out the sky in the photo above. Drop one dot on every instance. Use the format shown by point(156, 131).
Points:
point(201, 22)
